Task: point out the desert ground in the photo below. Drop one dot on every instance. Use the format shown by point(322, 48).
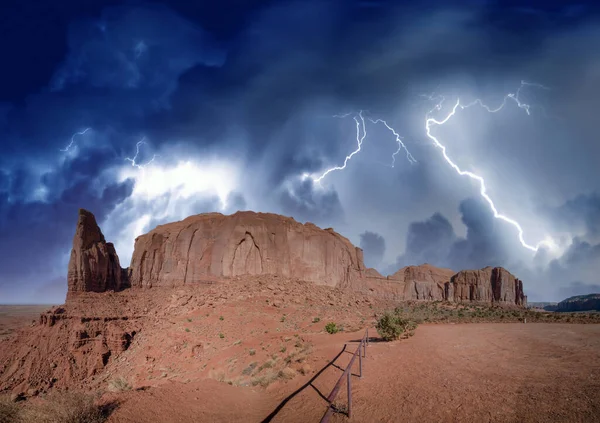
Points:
point(488, 372)
point(13, 317)
point(278, 364)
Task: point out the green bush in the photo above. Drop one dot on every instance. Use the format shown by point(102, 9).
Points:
point(316, 320)
point(331, 328)
point(391, 325)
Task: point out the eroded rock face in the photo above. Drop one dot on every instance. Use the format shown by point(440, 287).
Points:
point(212, 245)
point(490, 285)
point(423, 282)
point(94, 265)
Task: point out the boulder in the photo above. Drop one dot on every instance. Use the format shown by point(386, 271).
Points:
point(94, 265)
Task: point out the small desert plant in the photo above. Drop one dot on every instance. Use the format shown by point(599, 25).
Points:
point(189, 320)
point(9, 411)
point(282, 319)
point(287, 373)
point(248, 370)
point(119, 384)
point(187, 329)
point(391, 326)
point(252, 352)
point(316, 320)
point(331, 328)
point(67, 408)
point(221, 318)
point(266, 365)
point(221, 335)
point(282, 349)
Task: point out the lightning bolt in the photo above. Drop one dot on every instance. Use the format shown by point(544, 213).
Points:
point(73, 139)
point(137, 152)
point(401, 145)
point(429, 122)
point(360, 137)
point(360, 123)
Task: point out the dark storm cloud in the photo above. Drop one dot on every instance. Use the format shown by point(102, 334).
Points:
point(581, 212)
point(578, 288)
point(307, 202)
point(434, 240)
point(428, 242)
point(373, 246)
point(265, 93)
point(119, 68)
point(483, 245)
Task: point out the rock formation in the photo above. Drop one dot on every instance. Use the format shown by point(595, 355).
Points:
point(423, 282)
point(495, 285)
point(212, 245)
point(94, 264)
point(209, 247)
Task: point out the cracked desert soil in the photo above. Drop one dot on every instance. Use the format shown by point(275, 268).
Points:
point(487, 372)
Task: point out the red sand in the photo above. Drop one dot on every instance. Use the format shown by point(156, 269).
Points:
point(445, 373)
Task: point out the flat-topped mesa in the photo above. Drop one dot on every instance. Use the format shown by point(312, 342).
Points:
point(94, 265)
point(212, 245)
point(491, 285)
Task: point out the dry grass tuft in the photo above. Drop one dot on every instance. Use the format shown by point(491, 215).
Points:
point(119, 384)
point(65, 407)
point(9, 411)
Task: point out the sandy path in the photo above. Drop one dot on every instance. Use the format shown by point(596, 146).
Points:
point(483, 373)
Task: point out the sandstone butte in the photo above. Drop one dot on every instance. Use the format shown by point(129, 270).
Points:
point(212, 246)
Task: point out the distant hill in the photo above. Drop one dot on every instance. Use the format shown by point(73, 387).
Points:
point(548, 306)
point(588, 302)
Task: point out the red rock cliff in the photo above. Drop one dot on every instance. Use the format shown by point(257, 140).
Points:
point(94, 264)
point(246, 243)
point(491, 285)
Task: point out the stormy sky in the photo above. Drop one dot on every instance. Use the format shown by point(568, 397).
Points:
point(145, 113)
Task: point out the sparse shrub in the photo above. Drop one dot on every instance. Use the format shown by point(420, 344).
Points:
point(391, 326)
point(66, 408)
point(252, 352)
point(266, 365)
point(248, 370)
point(388, 327)
point(282, 319)
point(282, 349)
point(287, 373)
point(331, 328)
point(221, 335)
point(119, 384)
point(316, 320)
point(9, 411)
point(221, 318)
point(189, 320)
point(187, 329)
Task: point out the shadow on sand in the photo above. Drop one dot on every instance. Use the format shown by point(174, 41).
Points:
point(271, 416)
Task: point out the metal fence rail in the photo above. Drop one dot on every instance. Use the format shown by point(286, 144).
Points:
point(361, 351)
